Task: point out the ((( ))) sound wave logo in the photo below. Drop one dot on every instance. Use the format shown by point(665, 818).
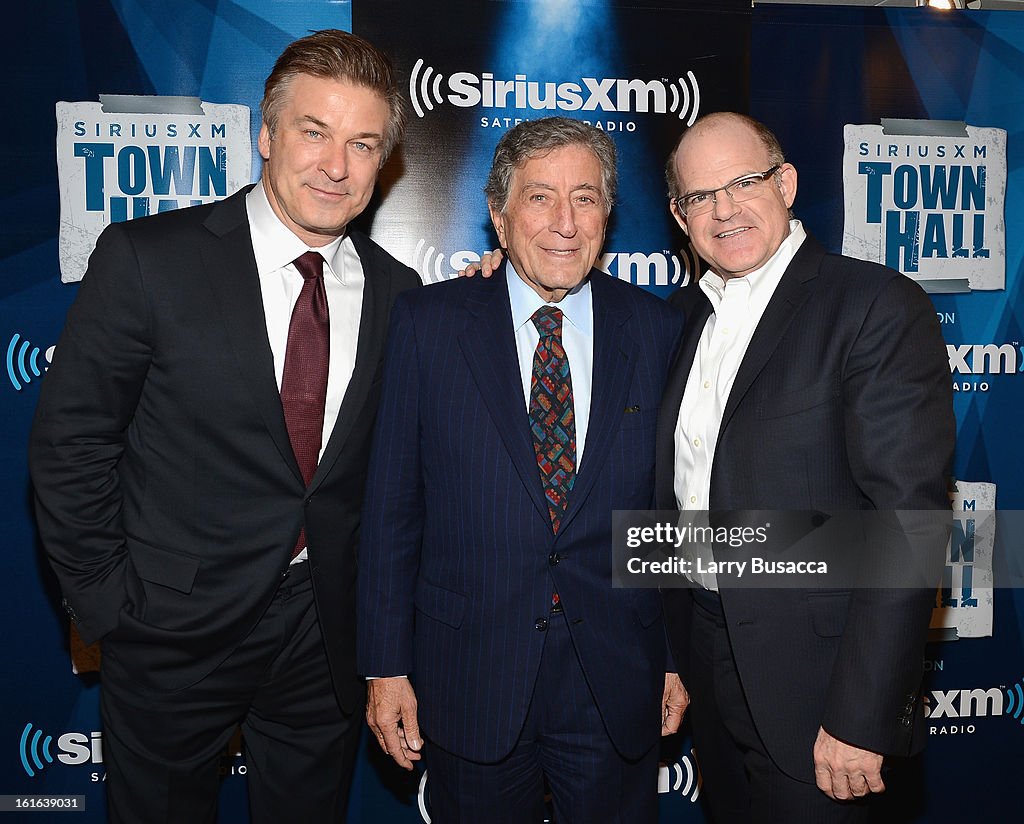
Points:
point(34, 750)
point(1015, 702)
point(23, 361)
point(682, 776)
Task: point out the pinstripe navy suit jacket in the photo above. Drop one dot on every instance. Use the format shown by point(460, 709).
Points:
point(458, 560)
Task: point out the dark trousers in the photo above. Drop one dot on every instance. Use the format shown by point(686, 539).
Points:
point(563, 742)
point(162, 750)
point(741, 783)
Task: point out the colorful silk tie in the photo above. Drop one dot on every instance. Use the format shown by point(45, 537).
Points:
point(552, 418)
point(306, 360)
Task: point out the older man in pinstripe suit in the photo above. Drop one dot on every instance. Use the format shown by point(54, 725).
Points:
point(518, 412)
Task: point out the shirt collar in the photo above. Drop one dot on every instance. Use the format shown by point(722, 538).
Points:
point(761, 281)
point(576, 306)
point(275, 246)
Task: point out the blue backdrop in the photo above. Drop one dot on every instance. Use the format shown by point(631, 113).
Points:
point(809, 71)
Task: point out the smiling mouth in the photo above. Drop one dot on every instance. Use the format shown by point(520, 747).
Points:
point(562, 252)
point(732, 233)
point(327, 192)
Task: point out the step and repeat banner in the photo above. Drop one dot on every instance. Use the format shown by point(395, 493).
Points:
point(904, 128)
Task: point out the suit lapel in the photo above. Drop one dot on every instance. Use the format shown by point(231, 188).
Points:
point(235, 284)
point(789, 296)
point(489, 346)
point(695, 320)
point(369, 346)
point(614, 361)
point(696, 313)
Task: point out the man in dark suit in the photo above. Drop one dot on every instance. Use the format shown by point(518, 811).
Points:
point(200, 450)
point(804, 381)
point(517, 413)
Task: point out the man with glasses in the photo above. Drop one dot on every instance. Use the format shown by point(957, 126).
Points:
point(804, 381)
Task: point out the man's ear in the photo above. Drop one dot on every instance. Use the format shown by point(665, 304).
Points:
point(674, 209)
point(498, 221)
point(787, 183)
point(264, 141)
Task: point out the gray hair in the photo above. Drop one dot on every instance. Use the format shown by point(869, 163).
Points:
point(337, 55)
point(765, 135)
point(535, 138)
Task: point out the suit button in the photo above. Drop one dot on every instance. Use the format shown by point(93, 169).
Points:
point(541, 624)
point(554, 558)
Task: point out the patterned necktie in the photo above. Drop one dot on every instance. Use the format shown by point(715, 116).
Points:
point(306, 360)
point(551, 413)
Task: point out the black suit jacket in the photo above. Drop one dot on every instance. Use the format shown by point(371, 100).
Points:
point(842, 402)
point(168, 496)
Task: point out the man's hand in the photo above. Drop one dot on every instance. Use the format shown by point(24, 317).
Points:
point(391, 714)
point(488, 263)
point(674, 702)
point(844, 771)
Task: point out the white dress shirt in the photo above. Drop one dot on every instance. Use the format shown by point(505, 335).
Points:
point(738, 305)
point(577, 340)
point(275, 247)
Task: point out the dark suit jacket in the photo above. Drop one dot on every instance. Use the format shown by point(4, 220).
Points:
point(843, 402)
point(168, 496)
point(458, 561)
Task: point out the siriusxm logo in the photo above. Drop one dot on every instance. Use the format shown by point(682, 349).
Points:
point(23, 361)
point(654, 269)
point(984, 359)
point(428, 87)
point(976, 703)
point(73, 748)
point(644, 269)
point(682, 777)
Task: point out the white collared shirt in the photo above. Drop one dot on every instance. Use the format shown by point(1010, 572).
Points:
point(577, 340)
point(738, 305)
point(275, 248)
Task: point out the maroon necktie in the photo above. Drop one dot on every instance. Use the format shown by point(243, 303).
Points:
point(304, 382)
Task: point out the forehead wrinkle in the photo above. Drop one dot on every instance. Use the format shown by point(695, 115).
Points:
point(540, 184)
point(308, 118)
point(326, 127)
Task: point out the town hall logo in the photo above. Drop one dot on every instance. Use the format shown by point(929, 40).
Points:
point(128, 156)
point(926, 198)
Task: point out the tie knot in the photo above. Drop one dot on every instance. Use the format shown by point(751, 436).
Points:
point(548, 320)
point(310, 265)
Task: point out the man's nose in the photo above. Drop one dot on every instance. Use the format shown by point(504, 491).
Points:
point(723, 206)
point(334, 162)
point(563, 220)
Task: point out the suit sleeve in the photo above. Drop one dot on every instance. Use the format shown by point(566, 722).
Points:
point(86, 405)
point(900, 433)
point(393, 511)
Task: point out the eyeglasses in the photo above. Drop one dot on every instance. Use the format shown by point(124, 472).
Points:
point(739, 190)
